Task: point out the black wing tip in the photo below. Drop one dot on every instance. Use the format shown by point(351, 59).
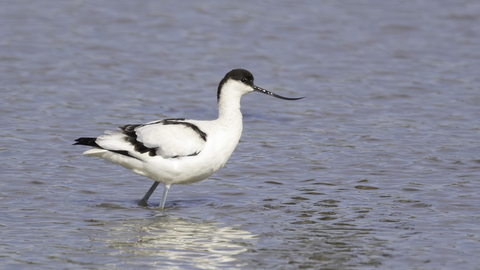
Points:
point(86, 141)
point(91, 142)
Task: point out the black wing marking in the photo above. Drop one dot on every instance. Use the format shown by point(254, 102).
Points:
point(202, 134)
point(88, 141)
point(132, 137)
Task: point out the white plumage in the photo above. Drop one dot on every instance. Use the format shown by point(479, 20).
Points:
point(180, 151)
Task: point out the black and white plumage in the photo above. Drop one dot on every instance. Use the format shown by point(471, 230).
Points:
point(180, 151)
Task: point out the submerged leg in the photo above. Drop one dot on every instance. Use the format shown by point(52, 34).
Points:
point(143, 202)
point(164, 198)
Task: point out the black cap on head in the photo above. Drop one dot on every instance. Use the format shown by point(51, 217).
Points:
point(238, 74)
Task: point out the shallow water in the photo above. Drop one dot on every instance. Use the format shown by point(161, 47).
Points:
point(379, 167)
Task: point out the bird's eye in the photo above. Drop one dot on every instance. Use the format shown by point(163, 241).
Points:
point(244, 80)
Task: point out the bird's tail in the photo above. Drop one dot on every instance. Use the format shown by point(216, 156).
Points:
point(87, 141)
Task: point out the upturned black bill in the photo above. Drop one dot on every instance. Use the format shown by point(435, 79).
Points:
point(266, 92)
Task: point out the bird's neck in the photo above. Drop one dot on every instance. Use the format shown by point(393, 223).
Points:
point(229, 109)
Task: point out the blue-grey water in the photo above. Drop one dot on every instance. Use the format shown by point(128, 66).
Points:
point(377, 168)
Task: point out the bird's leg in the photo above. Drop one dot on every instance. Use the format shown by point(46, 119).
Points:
point(143, 202)
point(164, 198)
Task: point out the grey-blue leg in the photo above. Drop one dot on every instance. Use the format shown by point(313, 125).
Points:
point(164, 198)
point(143, 202)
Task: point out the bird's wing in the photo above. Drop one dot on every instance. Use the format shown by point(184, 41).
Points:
point(170, 138)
